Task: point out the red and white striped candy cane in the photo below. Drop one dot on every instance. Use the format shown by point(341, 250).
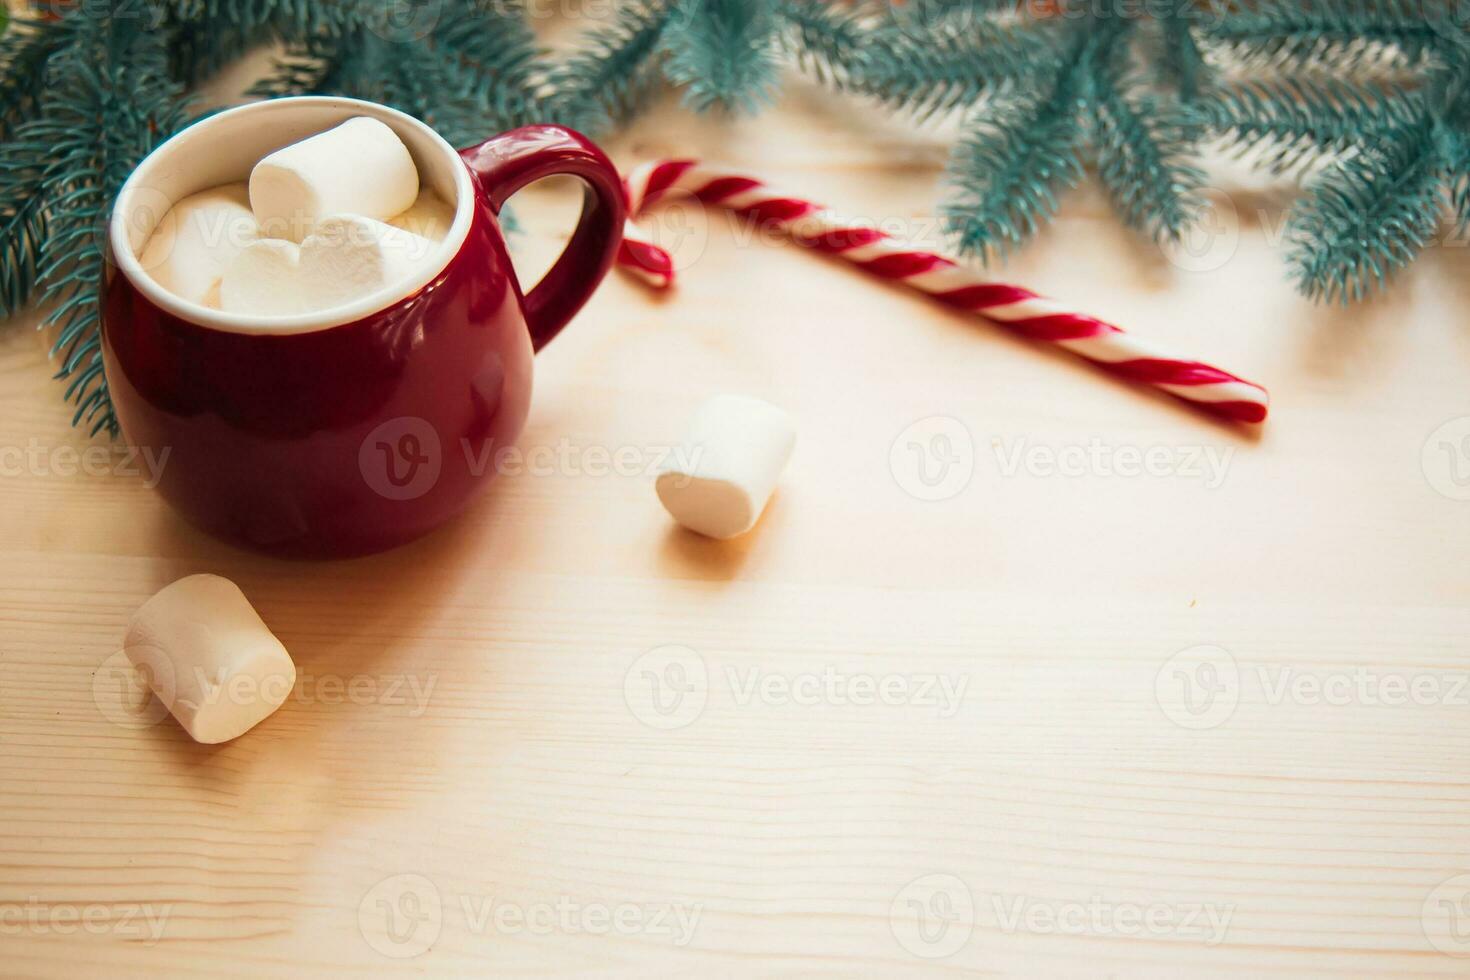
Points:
point(1208, 388)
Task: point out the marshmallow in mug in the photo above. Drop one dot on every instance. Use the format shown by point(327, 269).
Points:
point(209, 657)
point(197, 239)
point(429, 217)
point(346, 257)
point(722, 474)
point(360, 167)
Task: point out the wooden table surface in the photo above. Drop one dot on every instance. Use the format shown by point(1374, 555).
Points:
point(971, 698)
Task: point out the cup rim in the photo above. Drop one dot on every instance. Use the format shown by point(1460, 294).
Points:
point(131, 266)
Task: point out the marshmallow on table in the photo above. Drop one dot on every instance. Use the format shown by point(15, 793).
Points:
point(719, 477)
point(201, 234)
point(360, 167)
point(209, 658)
point(348, 257)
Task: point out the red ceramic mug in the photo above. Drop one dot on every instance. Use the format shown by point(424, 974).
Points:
point(347, 432)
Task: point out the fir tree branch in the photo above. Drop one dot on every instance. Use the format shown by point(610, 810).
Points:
point(611, 74)
point(1369, 216)
point(1460, 202)
point(1142, 149)
point(301, 70)
point(723, 52)
point(1302, 119)
point(22, 232)
point(207, 35)
point(496, 51)
point(1337, 34)
point(825, 42)
point(290, 19)
point(927, 77)
point(928, 18)
point(204, 44)
point(366, 66)
point(1009, 172)
point(86, 137)
point(1181, 65)
point(26, 48)
point(466, 70)
point(1447, 95)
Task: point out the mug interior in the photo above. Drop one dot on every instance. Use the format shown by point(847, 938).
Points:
point(223, 148)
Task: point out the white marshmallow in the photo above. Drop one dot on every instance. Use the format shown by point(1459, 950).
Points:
point(719, 477)
point(209, 658)
point(347, 258)
point(360, 167)
point(264, 280)
point(429, 217)
point(198, 237)
point(351, 256)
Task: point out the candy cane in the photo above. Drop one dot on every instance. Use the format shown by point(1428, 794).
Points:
point(1205, 387)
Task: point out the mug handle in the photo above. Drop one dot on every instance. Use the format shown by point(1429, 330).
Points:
point(504, 164)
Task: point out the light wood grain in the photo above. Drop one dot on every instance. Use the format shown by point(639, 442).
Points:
point(1060, 780)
